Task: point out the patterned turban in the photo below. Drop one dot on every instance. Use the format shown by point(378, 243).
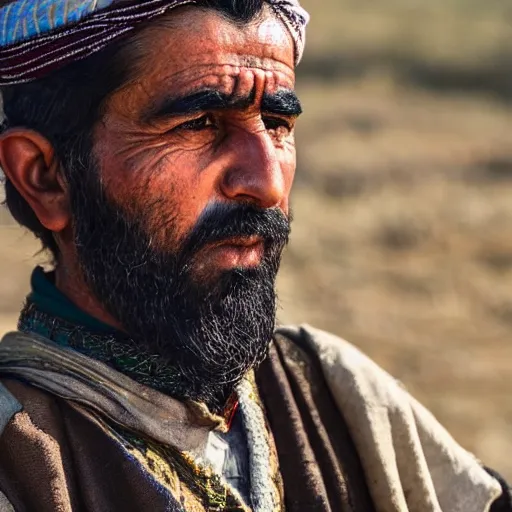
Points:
point(39, 36)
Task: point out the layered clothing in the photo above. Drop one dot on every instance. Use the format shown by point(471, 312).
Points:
point(317, 427)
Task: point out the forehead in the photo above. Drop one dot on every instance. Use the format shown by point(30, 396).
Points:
point(194, 48)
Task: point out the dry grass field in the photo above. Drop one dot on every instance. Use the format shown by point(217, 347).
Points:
point(402, 239)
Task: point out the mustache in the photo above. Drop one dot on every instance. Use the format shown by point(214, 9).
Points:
point(222, 221)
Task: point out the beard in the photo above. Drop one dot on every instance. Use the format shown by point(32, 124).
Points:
point(209, 331)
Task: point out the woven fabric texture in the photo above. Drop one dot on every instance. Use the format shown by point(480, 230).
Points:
point(39, 36)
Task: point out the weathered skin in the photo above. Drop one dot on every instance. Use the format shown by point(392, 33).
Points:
point(236, 154)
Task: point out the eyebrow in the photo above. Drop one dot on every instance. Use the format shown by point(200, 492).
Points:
point(284, 102)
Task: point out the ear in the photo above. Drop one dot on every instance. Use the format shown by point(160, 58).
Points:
point(29, 161)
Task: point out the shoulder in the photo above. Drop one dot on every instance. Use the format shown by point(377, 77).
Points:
point(347, 370)
point(31, 436)
point(404, 450)
point(30, 421)
point(21, 402)
point(319, 344)
point(18, 398)
point(9, 406)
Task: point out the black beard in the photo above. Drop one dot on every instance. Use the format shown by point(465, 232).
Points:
point(210, 332)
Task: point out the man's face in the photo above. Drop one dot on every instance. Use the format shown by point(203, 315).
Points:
point(191, 174)
point(208, 120)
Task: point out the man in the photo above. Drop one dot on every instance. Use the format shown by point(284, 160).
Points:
point(150, 147)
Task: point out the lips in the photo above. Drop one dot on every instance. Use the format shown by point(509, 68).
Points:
point(246, 252)
point(242, 242)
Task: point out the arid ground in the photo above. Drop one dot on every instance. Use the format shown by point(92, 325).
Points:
point(402, 238)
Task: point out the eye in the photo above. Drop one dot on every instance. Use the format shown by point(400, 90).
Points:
point(199, 124)
point(275, 123)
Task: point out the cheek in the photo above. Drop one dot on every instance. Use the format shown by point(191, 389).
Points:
point(168, 185)
point(163, 198)
point(153, 180)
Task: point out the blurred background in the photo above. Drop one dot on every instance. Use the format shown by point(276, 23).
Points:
point(402, 238)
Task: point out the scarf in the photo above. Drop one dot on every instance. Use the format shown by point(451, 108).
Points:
point(49, 313)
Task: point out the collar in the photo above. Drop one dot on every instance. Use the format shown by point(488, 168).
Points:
point(50, 300)
point(50, 314)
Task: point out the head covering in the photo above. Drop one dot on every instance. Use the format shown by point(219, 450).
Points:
point(39, 36)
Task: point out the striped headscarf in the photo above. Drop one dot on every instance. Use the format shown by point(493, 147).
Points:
point(39, 36)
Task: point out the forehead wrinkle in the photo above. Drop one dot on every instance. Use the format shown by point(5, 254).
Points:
point(148, 92)
point(222, 83)
point(202, 60)
point(213, 28)
point(219, 71)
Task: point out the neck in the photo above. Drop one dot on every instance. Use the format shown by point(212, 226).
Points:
point(70, 282)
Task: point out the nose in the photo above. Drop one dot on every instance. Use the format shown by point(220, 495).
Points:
point(254, 173)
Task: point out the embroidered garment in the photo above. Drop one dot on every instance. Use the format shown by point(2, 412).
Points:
point(50, 442)
point(39, 36)
point(50, 314)
point(101, 398)
point(163, 441)
point(76, 434)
